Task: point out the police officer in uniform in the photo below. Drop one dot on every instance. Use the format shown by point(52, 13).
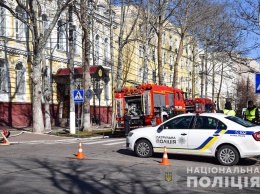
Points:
point(252, 113)
point(127, 119)
point(228, 110)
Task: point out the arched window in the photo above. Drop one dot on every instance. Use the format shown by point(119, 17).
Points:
point(20, 27)
point(97, 47)
point(76, 42)
point(106, 52)
point(45, 25)
point(2, 21)
point(20, 78)
point(61, 45)
point(3, 76)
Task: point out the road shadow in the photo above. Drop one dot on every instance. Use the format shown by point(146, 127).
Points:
point(198, 159)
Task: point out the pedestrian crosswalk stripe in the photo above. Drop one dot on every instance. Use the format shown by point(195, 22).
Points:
point(96, 142)
point(115, 143)
point(70, 141)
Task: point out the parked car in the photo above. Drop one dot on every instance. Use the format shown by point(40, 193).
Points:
point(228, 138)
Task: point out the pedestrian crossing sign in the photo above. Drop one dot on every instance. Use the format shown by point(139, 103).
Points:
point(78, 95)
point(257, 83)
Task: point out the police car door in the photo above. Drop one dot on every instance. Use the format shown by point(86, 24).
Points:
point(203, 135)
point(173, 134)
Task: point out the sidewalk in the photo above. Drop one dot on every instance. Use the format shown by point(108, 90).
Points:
point(21, 135)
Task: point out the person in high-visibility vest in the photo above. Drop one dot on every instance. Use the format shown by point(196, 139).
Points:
point(228, 109)
point(251, 113)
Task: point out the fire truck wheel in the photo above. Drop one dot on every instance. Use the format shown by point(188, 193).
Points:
point(143, 148)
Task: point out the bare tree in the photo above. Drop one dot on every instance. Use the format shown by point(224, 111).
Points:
point(248, 12)
point(189, 16)
point(33, 11)
point(81, 10)
point(127, 9)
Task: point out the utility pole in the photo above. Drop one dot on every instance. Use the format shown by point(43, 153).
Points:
point(71, 66)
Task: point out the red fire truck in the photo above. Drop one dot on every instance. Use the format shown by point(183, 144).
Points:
point(148, 104)
point(199, 105)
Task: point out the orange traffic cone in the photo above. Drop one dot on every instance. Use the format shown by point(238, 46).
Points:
point(80, 152)
point(165, 161)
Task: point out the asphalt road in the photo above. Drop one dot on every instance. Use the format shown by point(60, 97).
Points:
point(49, 166)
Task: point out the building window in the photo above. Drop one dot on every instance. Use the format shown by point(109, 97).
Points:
point(106, 52)
point(171, 79)
point(97, 47)
point(164, 38)
point(141, 51)
point(20, 78)
point(187, 84)
point(176, 44)
point(181, 82)
point(164, 78)
point(154, 76)
point(164, 57)
point(20, 27)
point(76, 38)
point(2, 21)
point(171, 61)
point(45, 26)
point(181, 63)
point(3, 76)
point(187, 63)
point(106, 92)
point(170, 41)
point(153, 55)
point(61, 45)
point(140, 28)
point(141, 74)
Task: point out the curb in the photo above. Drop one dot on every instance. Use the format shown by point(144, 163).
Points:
point(60, 140)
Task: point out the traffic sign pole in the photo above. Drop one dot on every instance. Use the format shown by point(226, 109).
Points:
point(78, 97)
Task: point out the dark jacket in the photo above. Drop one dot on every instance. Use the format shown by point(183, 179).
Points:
point(127, 119)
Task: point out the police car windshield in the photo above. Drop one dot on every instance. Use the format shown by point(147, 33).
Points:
point(240, 121)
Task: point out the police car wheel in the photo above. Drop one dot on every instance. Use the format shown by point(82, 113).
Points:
point(143, 148)
point(227, 155)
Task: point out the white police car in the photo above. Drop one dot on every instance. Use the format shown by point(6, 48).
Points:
point(228, 138)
